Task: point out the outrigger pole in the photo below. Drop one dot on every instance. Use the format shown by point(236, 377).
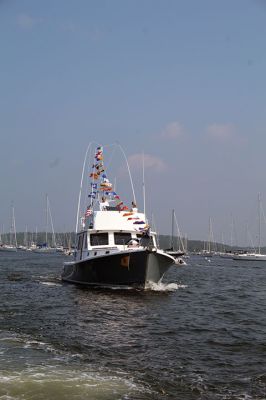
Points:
point(130, 177)
point(81, 184)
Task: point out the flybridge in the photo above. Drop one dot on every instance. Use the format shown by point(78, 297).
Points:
point(105, 209)
point(117, 220)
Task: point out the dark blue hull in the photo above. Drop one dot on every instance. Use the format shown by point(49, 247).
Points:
point(134, 269)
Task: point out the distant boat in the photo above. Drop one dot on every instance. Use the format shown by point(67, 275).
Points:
point(45, 247)
point(208, 251)
point(115, 244)
point(12, 246)
point(255, 256)
point(7, 247)
point(24, 247)
point(176, 253)
point(250, 257)
point(227, 254)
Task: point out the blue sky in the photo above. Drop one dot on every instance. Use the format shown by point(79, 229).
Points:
point(181, 81)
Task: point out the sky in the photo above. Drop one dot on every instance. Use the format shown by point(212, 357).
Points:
point(180, 81)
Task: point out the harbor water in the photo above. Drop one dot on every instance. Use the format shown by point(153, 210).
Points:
point(198, 335)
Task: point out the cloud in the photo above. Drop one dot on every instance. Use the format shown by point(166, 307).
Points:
point(25, 21)
point(136, 161)
point(222, 132)
point(173, 130)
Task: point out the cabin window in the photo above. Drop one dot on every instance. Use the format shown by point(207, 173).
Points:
point(99, 239)
point(122, 237)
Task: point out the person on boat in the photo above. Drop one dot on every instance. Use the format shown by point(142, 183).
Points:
point(104, 203)
point(134, 207)
point(133, 242)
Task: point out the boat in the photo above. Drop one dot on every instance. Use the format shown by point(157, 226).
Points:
point(45, 247)
point(115, 246)
point(253, 256)
point(176, 253)
point(8, 247)
point(250, 257)
point(227, 254)
point(208, 250)
point(12, 245)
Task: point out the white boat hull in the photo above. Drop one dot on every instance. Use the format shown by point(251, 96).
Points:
point(250, 257)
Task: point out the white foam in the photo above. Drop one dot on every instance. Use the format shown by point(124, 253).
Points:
point(40, 382)
point(50, 284)
point(165, 287)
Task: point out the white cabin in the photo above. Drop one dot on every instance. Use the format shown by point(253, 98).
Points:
point(111, 231)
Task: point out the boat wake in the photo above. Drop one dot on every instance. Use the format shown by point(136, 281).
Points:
point(50, 284)
point(40, 383)
point(165, 287)
point(23, 378)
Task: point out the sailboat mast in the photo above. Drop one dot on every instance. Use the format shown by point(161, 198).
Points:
point(14, 226)
point(259, 213)
point(52, 224)
point(46, 229)
point(172, 235)
point(209, 242)
point(143, 186)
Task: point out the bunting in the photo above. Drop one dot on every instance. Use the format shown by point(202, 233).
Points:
point(103, 186)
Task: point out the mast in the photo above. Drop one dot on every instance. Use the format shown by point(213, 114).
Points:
point(179, 233)
point(51, 220)
point(172, 234)
point(46, 229)
point(143, 186)
point(259, 215)
point(13, 233)
point(14, 227)
point(209, 241)
point(26, 237)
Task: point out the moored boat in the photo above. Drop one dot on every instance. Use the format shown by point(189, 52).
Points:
point(256, 255)
point(8, 247)
point(115, 244)
point(250, 257)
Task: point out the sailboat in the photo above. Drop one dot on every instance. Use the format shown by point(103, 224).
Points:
point(177, 253)
point(12, 245)
point(115, 245)
point(24, 247)
point(255, 256)
point(45, 248)
point(207, 251)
